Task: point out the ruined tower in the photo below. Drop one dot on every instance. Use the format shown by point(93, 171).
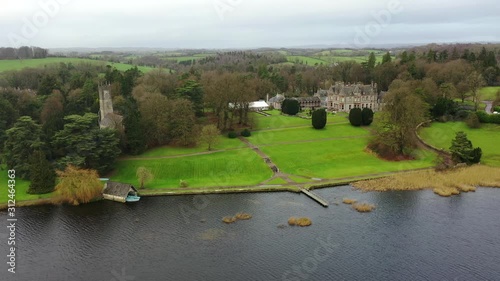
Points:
point(107, 118)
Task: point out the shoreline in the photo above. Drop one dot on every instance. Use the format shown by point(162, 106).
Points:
point(291, 187)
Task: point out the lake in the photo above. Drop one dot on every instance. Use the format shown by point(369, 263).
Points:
point(411, 235)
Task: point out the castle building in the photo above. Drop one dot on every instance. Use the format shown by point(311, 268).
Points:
point(343, 97)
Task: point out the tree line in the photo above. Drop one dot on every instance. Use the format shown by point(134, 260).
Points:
point(23, 52)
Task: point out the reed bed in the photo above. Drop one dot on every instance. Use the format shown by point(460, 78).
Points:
point(238, 216)
point(299, 221)
point(446, 183)
point(349, 201)
point(363, 207)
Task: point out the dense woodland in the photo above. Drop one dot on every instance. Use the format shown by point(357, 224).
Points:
point(54, 110)
point(23, 52)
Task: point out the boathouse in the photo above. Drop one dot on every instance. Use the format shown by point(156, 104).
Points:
point(116, 191)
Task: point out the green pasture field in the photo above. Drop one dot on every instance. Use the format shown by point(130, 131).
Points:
point(230, 168)
point(165, 151)
point(337, 159)
point(7, 65)
point(21, 187)
point(487, 138)
point(307, 60)
point(302, 134)
point(489, 93)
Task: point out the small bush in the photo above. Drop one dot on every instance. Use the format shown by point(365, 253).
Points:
point(183, 183)
point(462, 115)
point(355, 117)
point(246, 133)
point(483, 117)
point(496, 108)
point(494, 118)
point(473, 121)
point(232, 135)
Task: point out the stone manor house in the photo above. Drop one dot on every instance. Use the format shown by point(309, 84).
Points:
point(343, 97)
point(340, 97)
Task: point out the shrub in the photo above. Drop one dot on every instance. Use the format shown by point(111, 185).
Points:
point(473, 121)
point(355, 117)
point(462, 115)
point(232, 135)
point(290, 106)
point(183, 183)
point(496, 108)
point(246, 133)
point(319, 119)
point(483, 117)
point(495, 118)
point(367, 116)
point(476, 155)
point(462, 150)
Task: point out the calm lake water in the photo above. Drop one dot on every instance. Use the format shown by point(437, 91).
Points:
point(410, 236)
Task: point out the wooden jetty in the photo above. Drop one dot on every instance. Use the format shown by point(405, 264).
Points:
point(315, 197)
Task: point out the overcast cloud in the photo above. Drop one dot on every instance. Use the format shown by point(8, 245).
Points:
point(244, 23)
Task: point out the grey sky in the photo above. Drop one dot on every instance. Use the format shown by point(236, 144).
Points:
point(244, 23)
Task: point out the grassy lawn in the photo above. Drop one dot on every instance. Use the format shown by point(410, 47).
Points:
point(278, 121)
point(306, 134)
point(489, 93)
point(276, 181)
point(6, 65)
point(21, 188)
point(336, 159)
point(230, 168)
point(441, 134)
point(307, 60)
point(224, 143)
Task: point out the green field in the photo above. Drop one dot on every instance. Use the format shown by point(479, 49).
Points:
point(334, 152)
point(6, 65)
point(487, 138)
point(305, 60)
point(21, 188)
point(278, 121)
point(224, 143)
point(489, 93)
point(230, 168)
point(302, 134)
point(337, 159)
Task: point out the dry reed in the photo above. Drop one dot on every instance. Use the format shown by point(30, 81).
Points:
point(299, 221)
point(349, 201)
point(363, 207)
point(446, 183)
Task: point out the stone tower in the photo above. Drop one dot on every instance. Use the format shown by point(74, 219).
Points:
point(107, 118)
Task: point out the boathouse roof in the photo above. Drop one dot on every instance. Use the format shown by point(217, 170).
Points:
point(118, 189)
